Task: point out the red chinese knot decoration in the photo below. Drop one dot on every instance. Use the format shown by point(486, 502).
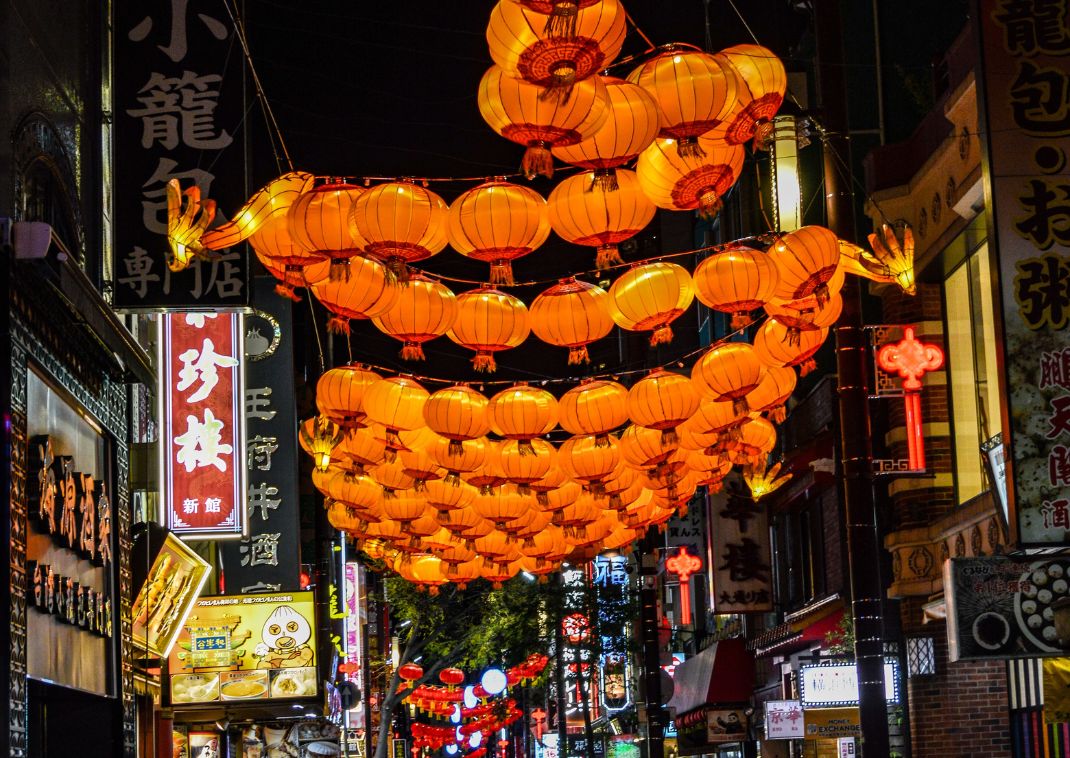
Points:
point(911, 359)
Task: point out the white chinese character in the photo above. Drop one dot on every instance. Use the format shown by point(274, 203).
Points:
point(201, 444)
point(178, 43)
point(202, 365)
point(154, 192)
point(211, 504)
point(189, 505)
point(138, 265)
point(260, 550)
point(180, 111)
point(197, 320)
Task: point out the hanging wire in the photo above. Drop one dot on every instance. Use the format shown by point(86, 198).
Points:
point(646, 39)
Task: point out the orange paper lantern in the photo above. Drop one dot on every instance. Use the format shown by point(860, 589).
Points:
point(318, 222)
point(595, 406)
point(424, 310)
point(685, 182)
point(340, 393)
point(762, 84)
point(571, 314)
point(489, 321)
point(736, 281)
point(364, 294)
point(650, 297)
point(807, 259)
point(402, 223)
point(728, 372)
point(662, 400)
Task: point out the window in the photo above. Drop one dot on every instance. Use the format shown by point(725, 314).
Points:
point(972, 372)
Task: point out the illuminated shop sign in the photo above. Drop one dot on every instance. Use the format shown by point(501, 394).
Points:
point(836, 684)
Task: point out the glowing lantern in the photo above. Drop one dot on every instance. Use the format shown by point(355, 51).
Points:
point(587, 460)
point(521, 45)
point(736, 281)
point(728, 372)
point(807, 259)
point(293, 276)
point(518, 111)
point(551, 480)
point(443, 496)
point(425, 309)
point(762, 84)
point(774, 346)
point(571, 314)
point(319, 436)
point(344, 518)
point(558, 498)
point(808, 317)
point(685, 182)
point(402, 223)
point(650, 297)
point(583, 213)
point(522, 412)
point(362, 447)
point(318, 221)
point(522, 466)
point(457, 456)
point(498, 222)
point(642, 447)
point(662, 400)
point(683, 565)
point(464, 522)
point(421, 467)
point(502, 506)
point(773, 392)
point(398, 404)
point(691, 437)
point(631, 124)
point(496, 545)
point(491, 474)
point(366, 293)
point(451, 677)
point(359, 492)
point(426, 571)
point(489, 321)
point(340, 393)
point(410, 672)
point(393, 478)
point(497, 573)
point(757, 437)
point(457, 413)
point(695, 92)
point(594, 407)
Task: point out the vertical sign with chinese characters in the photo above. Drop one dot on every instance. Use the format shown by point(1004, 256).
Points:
point(577, 654)
point(742, 577)
point(202, 427)
point(1025, 122)
point(611, 579)
point(267, 559)
point(179, 105)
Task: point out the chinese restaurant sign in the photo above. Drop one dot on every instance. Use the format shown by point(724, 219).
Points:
point(742, 579)
point(202, 424)
point(178, 113)
point(784, 720)
point(999, 607)
point(611, 581)
point(266, 559)
point(827, 685)
point(577, 643)
point(173, 582)
point(246, 647)
point(1026, 105)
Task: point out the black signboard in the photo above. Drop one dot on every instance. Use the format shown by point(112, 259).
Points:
point(179, 105)
point(267, 560)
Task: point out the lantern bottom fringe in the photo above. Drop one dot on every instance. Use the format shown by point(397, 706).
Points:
point(821, 294)
point(807, 366)
point(338, 271)
point(338, 325)
point(397, 272)
point(456, 447)
point(501, 272)
point(763, 134)
point(486, 489)
point(420, 485)
point(607, 256)
point(709, 205)
point(524, 447)
point(562, 19)
point(542, 499)
point(578, 356)
point(615, 502)
point(778, 414)
point(661, 336)
point(412, 351)
point(669, 436)
point(601, 440)
point(741, 320)
point(689, 147)
point(793, 336)
point(286, 291)
point(484, 363)
point(537, 161)
point(740, 406)
point(562, 80)
point(390, 455)
point(604, 179)
point(524, 488)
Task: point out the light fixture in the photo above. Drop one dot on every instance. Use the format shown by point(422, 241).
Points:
point(493, 681)
point(785, 168)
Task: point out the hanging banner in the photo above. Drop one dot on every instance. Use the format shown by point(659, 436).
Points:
point(999, 607)
point(742, 577)
point(179, 105)
point(266, 560)
point(202, 428)
point(1024, 90)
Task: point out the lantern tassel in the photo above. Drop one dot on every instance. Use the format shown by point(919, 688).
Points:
point(688, 147)
point(538, 161)
point(501, 272)
point(453, 478)
point(578, 355)
point(615, 502)
point(601, 440)
point(524, 488)
point(604, 179)
point(286, 291)
point(338, 325)
point(338, 271)
point(484, 363)
point(524, 447)
point(661, 336)
point(741, 319)
point(807, 366)
point(456, 447)
point(740, 406)
point(821, 294)
point(562, 80)
point(793, 336)
point(397, 271)
point(562, 19)
point(778, 414)
point(412, 351)
point(420, 485)
point(542, 499)
point(669, 436)
point(606, 256)
point(709, 205)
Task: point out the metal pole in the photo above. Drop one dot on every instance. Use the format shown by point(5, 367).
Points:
point(651, 658)
point(863, 542)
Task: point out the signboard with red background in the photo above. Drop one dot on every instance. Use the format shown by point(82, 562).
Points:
point(202, 431)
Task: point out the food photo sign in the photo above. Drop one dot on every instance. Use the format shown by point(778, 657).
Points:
point(246, 647)
point(999, 607)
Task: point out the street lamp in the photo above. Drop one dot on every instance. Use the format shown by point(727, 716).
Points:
point(785, 170)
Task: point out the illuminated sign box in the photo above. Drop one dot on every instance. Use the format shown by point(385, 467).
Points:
point(828, 685)
point(246, 648)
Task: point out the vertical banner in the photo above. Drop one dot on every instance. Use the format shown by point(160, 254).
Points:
point(179, 104)
point(742, 577)
point(1025, 125)
point(267, 559)
point(202, 425)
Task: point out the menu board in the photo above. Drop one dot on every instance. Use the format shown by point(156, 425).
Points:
point(246, 647)
point(174, 582)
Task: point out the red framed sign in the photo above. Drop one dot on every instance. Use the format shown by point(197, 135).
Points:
point(202, 427)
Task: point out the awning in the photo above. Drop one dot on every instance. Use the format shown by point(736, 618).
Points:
point(800, 629)
point(722, 673)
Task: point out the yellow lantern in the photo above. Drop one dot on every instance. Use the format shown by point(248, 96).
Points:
point(695, 92)
point(457, 413)
point(807, 259)
point(365, 293)
point(397, 403)
point(391, 475)
point(443, 496)
point(458, 456)
point(318, 221)
point(736, 281)
point(522, 412)
point(424, 310)
point(557, 498)
point(421, 467)
point(489, 321)
point(686, 182)
point(650, 297)
point(642, 447)
point(340, 394)
point(292, 276)
point(571, 314)
point(584, 213)
point(518, 111)
point(402, 223)
point(527, 461)
point(362, 447)
point(728, 372)
point(762, 84)
point(595, 406)
point(773, 392)
point(775, 345)
point(319, 436)
point(490, 475)
point(498, 222)
point(716, 416)
point(662, 400)
point(585, 459)
point(757, 438)
point(359, 492)
point(522, 46)
point(464, 522)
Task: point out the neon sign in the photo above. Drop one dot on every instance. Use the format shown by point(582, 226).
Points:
point(683, 565)
point(911, 360)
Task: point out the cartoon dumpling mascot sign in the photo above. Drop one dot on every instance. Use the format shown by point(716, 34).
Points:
point(286, 633)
